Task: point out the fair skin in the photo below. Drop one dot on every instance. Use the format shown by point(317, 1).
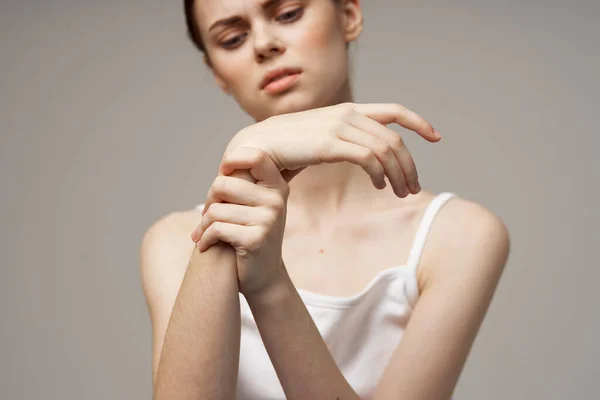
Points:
point(263, 213)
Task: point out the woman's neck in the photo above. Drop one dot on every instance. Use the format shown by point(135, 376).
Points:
point(324, 191)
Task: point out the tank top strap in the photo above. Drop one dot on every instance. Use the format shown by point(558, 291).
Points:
point(424, 227)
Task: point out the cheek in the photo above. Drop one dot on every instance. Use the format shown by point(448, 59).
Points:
point(235, 72)
point(324, 51)
point(320, 37)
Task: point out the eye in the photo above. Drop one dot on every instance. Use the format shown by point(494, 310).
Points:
point(230, 43)
point(289, 16)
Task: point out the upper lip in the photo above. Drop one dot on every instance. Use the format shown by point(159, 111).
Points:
point(274, 73)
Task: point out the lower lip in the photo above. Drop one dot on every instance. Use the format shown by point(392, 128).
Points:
point(282, 84)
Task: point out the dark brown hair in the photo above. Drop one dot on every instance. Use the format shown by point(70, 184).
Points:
point(192, 26)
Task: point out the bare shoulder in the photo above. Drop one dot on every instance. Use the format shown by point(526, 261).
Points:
point(465, 236)
point(171, 229)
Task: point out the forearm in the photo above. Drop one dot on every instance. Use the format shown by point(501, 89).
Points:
point(297, 350)
point(200, 355)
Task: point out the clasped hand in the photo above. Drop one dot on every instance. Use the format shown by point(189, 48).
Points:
point(250, 212)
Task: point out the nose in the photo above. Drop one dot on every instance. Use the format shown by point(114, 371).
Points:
point(266, 44)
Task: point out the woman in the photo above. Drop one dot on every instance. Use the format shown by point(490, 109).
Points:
point(344, 317)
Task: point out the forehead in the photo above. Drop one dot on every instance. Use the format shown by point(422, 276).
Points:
point(210, 10)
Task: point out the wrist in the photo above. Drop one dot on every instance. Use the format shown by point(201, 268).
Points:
point(274, 293)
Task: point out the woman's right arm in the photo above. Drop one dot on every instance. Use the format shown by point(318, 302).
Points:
point(195, 313)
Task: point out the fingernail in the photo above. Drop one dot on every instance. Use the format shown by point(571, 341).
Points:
point(194, 236)
point(437, 134)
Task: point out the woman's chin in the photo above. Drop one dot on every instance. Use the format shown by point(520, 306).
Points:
point(290, 102)
point(293, 102)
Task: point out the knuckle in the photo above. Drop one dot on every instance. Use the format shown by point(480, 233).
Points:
point(277, 203)
point(265, 217)
point(367, 156)
point(384, 149)
point(212, 211)
point(397, 141)
point(254, 155)
point(213, 229)
point(220, 184)
point(413, 183)
point(323, 149)
point(232, 153)
point(399, 108)
point(260, 156)
point(413, 175)
point(343, 105)
point(334, 126)
point(346, 111)
point(217, 228)
point(270, 219)
point(208, 215)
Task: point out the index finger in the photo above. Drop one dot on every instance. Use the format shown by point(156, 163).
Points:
point(248, 163)
point(388, 113)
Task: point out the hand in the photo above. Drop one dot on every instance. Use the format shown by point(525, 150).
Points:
point(251, 218)
point(344, 132)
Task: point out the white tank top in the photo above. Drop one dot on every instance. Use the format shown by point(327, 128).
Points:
point(361, 331)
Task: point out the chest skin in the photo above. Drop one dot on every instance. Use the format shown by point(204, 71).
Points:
point(342, 261)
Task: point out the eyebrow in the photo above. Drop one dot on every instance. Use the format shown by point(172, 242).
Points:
point(266, 5)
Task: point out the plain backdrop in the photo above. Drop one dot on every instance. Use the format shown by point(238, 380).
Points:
point(109, 120)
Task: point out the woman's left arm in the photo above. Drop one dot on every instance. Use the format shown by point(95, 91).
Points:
point(472, 247)
point(430, 357)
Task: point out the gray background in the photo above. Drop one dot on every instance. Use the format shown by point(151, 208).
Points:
point(109, 120)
